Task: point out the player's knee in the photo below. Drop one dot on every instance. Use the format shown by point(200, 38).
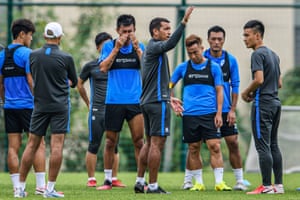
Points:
point(110, 144)
point(233, 145)
point(138, 142)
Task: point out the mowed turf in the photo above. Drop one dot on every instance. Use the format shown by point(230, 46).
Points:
point(74, 187)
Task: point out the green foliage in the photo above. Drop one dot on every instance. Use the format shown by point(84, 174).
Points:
point(290, 92)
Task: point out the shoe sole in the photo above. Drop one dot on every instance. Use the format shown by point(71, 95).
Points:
point(239, 189)
point(121, 186)
point(38, 193)
point(103, 188)
point(225, 190)
point(138, 191)
point(91, 185)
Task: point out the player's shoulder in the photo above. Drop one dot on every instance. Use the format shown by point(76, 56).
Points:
point(91, 64)
point(183, 65)
point(230, 55)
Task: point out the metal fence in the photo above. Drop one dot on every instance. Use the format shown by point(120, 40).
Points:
point(280, 18)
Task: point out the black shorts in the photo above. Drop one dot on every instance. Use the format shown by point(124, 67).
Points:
point(157, 118)
point(59, 122)
point(227, 130)
point(115, 114)
point(96, 126)
point(17, 120)
point(196, 128)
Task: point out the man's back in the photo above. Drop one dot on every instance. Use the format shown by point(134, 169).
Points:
point(98, 83)
point(51, 71)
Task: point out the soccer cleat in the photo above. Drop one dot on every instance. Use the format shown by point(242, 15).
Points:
point(106, 186)
point(91, 183)
point(53, 194)
point(240, 186)
point(246, 183)
point(117, 183)
point(139, 188)
point(159, 190)
point(198, 187)
point(19, 193)
point(262, 190)
point(278, 189)
point(39, 190)
point(222, 187)
point(187, 185)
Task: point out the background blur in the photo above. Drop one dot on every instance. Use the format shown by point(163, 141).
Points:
point(82, 20)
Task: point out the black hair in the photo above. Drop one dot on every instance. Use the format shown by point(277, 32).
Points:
point(125, 20)
point(20, 25)
point(215, 29)
point(193, 39)
point(256, 25)
point(101, 37)
point(156, 24)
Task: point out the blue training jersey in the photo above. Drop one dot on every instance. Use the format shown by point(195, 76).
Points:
point(17, 91)
point(124, 85)
point(199, 99)
point(231, 85)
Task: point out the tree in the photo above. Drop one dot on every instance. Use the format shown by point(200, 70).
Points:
point(290, 92)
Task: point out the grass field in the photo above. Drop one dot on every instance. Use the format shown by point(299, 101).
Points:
point(73, 185)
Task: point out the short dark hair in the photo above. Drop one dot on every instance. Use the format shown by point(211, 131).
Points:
point(193, 39)
point(256, 25)
point(20, 25)
point(215, 29)
point(101, 37)
point(156, 24)
point(125, 20)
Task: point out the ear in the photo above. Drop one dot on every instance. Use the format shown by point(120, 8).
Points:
point(117, 30)
point(21, 34)
point(155, 32)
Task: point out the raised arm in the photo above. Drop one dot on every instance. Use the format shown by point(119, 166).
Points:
point(106, 64)
point(136, 45)
point(164, 46)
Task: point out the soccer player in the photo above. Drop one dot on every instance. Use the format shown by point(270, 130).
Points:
point(121, 59)
point(16, 93)
point(155, 99)
point(266, 107)
point(231, 78)
point(53, 73)
point(202, 115)
point(96, 105)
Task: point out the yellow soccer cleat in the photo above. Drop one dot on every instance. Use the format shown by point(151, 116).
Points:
point(222, 187)
point(198, 187)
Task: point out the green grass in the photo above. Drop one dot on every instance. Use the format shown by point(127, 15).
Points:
point(73, 185)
